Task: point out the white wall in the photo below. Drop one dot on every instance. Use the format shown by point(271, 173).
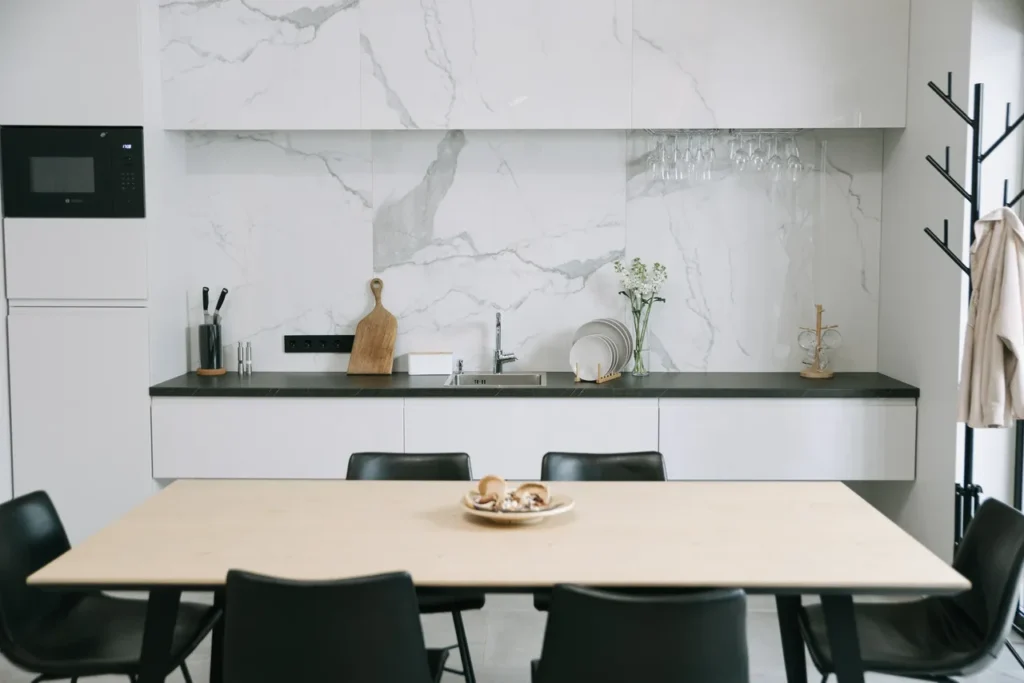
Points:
point(919, 314)
point(997, 60)
point(168, 334)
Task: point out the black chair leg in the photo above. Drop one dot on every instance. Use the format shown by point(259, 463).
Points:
point(185, 674)
point(1016, 655)
point(460, 638)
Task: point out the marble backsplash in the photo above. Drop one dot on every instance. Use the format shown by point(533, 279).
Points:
point(462, 224)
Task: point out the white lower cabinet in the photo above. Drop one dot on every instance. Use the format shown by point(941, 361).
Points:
point(729, 439)
point(508, 436)
point(789, 439)
point(269, 438)
point(80, 410)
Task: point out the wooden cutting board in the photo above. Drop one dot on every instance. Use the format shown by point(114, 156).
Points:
point(374, 348)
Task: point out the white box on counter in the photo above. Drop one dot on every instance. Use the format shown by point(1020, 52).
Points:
point(425, 363)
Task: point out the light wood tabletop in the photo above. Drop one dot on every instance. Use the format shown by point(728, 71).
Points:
point(808, 537)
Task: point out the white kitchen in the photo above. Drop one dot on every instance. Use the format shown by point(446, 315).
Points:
point(183, 308)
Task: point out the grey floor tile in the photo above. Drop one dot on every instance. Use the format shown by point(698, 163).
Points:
point(513, 639)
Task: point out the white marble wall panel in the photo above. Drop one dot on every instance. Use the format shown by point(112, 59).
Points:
point(444, 64)
point(748, 257)
point(781, 64)
point(463, 224)
point(260, 64)
point(284, 221)
point(469, 224)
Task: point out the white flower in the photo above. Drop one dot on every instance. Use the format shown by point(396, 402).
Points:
point(640, 282)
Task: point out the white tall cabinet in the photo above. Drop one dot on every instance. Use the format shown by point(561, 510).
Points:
point(78, 337)
point(75, 291)
point(79, 410)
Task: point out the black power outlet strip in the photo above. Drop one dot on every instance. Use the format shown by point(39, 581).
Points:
point(318, 343)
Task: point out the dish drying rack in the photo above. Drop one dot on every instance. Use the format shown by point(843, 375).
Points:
point(601, 379)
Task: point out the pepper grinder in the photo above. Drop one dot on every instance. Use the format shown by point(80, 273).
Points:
point(241, 359)
point(248, 358)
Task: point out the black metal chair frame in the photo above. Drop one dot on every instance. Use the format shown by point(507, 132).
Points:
point(461, 641)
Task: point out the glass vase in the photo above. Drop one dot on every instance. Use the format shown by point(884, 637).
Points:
point(641, 362)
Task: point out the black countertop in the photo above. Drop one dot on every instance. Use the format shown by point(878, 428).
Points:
point(559, 384)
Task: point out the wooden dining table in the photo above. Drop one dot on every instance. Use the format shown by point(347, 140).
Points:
point(788, 539)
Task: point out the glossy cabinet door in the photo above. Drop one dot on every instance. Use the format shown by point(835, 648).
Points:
point(80, 410)
point(779, 64)
point(536, 64)
point(70, 63)
point(269, 438)
point(509, 436)
point(828, 439)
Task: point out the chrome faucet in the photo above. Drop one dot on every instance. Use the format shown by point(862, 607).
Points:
point(500, 357)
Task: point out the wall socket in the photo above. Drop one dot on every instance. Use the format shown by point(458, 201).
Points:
point(318, 343)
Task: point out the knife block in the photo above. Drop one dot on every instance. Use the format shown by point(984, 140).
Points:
point(210, 358)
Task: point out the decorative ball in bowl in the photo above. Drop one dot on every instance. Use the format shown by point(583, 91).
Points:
point(496, 501)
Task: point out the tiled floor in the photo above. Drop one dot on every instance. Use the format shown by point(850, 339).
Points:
point(507, 634)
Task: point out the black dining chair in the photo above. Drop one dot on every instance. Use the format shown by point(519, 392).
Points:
point(936, 638)
point(603, 637)
point(365, 629)
point(72, 634)
point(427, 467)
point(637, 466)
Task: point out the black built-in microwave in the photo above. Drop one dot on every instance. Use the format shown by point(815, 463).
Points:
point(64, 172)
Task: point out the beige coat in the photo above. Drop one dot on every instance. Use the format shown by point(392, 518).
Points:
point(991, 382)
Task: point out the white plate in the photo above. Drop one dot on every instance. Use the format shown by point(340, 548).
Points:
point(559, 505)
point(588, 353)
point(607, 328)
point(626, 348)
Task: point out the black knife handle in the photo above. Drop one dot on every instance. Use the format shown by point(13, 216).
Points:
point(220, 299)
point(206, 299)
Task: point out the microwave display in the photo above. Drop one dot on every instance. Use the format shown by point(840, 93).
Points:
point(63, 172)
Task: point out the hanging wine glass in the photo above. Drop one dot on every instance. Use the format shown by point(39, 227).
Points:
point(775, 161)
point(758, 158)
point(794, 166)
point(709, 156)
point(741, 158)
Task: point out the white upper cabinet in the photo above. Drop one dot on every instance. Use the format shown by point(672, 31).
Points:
point(476, 64)
point(393, 64)
point(779, 64)
point(260, 64)
point(70, 63)
point(534, 64)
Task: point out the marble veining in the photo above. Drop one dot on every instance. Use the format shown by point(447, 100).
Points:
point(235, 63)
point(531, 64)
point(466, 63)
point(461, 224)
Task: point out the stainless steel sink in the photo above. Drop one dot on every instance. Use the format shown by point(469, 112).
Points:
point(505, 379)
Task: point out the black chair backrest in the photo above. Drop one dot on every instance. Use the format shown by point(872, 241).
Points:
point(991, 557)
point(640, 466)
point(602, 637)
point(31, 536)
point(410, 466)
point(363, 629)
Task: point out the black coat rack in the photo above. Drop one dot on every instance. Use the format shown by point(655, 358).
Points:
point(968, 493)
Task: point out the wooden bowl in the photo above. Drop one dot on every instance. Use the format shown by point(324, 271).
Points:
point(559, 504)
